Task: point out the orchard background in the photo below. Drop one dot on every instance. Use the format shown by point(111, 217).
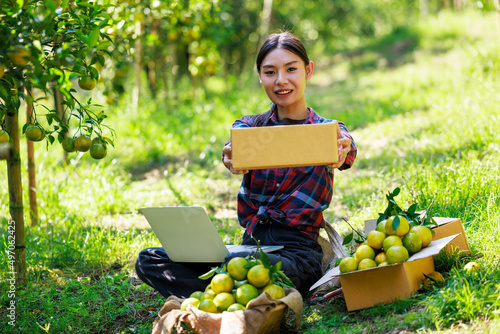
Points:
point(415, 81)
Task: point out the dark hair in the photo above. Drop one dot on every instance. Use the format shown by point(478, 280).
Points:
point(283, 40)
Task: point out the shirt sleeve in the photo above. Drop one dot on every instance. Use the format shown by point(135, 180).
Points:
point(351, 156)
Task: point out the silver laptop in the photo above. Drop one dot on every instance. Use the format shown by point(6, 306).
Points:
point(188, 235)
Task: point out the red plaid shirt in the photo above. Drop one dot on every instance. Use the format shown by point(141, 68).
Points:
point(294, 196)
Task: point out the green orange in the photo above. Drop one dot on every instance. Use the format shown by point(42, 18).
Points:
point(402, 229)
point(236, 268)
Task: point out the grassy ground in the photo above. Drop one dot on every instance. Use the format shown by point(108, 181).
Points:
point(426, 120)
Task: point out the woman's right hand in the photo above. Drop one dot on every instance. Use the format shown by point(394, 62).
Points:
point(228, 161)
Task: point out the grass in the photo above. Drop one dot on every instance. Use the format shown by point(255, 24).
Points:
point(427, 123)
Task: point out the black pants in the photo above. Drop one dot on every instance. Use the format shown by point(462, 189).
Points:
point(300, 258)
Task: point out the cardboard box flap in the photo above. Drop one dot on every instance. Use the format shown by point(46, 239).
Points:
point(432, 249)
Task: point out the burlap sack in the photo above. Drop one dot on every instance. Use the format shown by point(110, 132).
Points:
point(249, 321)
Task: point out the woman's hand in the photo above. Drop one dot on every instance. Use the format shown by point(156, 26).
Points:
point(228, 161)
point(344, 147)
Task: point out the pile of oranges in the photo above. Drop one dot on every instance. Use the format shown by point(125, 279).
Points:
point(236, 284)
point(393, 241)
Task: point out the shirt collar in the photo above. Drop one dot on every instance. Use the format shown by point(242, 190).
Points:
point(311, 119)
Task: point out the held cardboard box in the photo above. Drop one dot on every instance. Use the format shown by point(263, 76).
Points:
point(370, 287)
point(446, 227)
point(284, 146)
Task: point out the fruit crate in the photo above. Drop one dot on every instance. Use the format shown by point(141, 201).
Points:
point(369, 287)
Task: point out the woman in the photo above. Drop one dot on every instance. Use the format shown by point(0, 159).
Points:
point(285, 205)
point(281, 206)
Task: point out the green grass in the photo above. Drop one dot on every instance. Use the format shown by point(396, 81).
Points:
point(426, 121)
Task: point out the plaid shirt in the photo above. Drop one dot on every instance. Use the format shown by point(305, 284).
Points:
point(294, 196)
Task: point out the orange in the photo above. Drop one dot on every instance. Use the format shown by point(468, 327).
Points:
point(397, 254)
point(381, 226)
point(2, 70)
point(236, 307)
point(432, 278)
point(19, 55)
point(83, 143)
point(4, 137)
point(383, 264)
point(274, 291)
point(223, 300)
point(258, 276)
point(366, 264)
point(236, 268)
point(375, 239)
point(471, 267)
point(189, 301)
point(380, 258)
point(237, 284)
point(412, 242)
point(246, 293)
point(207, 305)
point(98, 151)
point(390, 241)
point(222, 283)
point(209, 294)
point(86, 82)
point(348, 264)
point(424, 233)
point(196, 294)
point(364, 252)
point(35, 133)
point(68, 144)
point(402, 229)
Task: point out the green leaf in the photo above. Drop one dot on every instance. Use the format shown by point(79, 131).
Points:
point(51, 138)
point(60, 137)
point(413, 208)
point(396, 192)
point(208, 274)
point(337, 263)
point(395, 222)
point(264, 258)
point(93, 38)
point(382, 216)
point(348, 239)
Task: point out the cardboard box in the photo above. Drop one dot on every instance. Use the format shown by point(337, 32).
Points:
point(446, 227)
point(370, 287)
point(284, 146)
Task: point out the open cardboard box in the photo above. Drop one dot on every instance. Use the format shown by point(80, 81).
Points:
point(369, 287)
point(284, 146)
point(446, 227)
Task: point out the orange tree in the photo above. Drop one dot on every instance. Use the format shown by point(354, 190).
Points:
point(48, 44)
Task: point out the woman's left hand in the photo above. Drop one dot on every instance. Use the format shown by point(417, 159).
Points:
point(344, 147)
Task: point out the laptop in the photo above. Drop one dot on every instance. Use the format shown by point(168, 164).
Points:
point(188, 235)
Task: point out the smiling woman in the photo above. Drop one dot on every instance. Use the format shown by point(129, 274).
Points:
point(277, 206)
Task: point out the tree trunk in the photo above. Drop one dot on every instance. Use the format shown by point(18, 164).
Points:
point(16, 198)
point(266, 20)
point(136, 93)
point(423, 8)
point(496, 3)
point(59, 107)
point(31, 168)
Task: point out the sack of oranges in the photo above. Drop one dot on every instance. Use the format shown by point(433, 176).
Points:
point(247, 294)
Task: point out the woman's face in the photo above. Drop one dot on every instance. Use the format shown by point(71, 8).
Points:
point(283, 75)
